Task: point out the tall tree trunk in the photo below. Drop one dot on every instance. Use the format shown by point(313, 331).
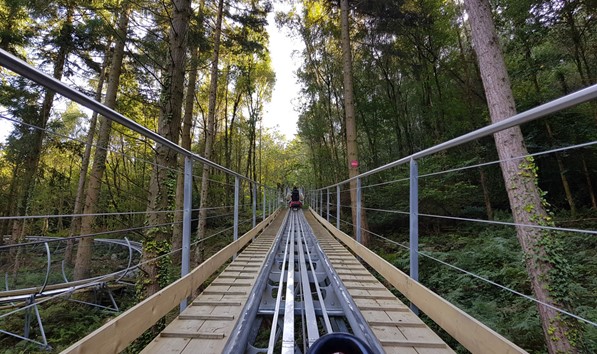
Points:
point(75, 228)
point(561, 168)
point(228, 139)
point(351, 129)
point(563, 177)
point(580, 58)
point(6, 224)
point(521, 181)
point(84, 250)
point(209, 132)
point(31, 164)
point(585, 171)
point(486, 194)
point(562, 80)
point(185, 142)
point(162, 189)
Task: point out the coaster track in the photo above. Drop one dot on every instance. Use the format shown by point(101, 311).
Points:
point(293, 286)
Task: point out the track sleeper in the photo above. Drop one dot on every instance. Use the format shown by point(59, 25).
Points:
point(216, 303)
point(192, 335)
point(207, 317)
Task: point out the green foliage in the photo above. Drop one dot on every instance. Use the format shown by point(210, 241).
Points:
point(416, 84)
point(493, 254)
point(81, 319)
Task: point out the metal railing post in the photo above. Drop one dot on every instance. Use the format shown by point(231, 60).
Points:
point(236, 204)
point(414, 224)
point(186, 221)
point(358, 227)
point(328, 204)
point(321, 202)
point(338, 207)
point(254, 205)
point(318, 202)
point(264, 202)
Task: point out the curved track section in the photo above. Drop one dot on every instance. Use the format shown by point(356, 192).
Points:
point(26, 299)
point(43, 290)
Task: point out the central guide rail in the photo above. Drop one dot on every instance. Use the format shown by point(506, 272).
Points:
point(294, 287)
point(302, 300)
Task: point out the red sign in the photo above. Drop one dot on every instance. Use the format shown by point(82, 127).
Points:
point(354, 163)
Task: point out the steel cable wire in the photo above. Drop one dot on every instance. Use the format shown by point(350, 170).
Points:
point(560, 149)
point(101, 279)
point(491, 222)
point(152, 163)
point(515, 292)
point(106, 232)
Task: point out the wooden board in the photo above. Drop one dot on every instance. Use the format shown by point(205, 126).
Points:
point(207, 323)
point(472, 334)
point(117, 334)
point(397, 328)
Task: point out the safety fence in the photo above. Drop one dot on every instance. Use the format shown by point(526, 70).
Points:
point(431, 211)
point(45, 243)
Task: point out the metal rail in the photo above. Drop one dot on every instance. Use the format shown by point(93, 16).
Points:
point(22, 68)
point(309, 302)
point(557, 105)
point(571, 100)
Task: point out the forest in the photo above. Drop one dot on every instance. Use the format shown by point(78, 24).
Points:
point(199, 74)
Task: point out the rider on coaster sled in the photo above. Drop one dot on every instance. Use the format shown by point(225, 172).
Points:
point(295, 198)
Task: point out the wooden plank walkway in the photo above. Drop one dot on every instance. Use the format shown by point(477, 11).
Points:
point(398, 329)
point(205, 325)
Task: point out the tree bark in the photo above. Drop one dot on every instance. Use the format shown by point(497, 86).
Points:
point(6, 224)
point(84, 250)
point(585, 171)
point(351, 129)
point(520, 178)
point(75, 228)
point(185, 142)
point(563, 177)
point(31, 164)
point(486, 194)
point(209, 133)
point(162, 188)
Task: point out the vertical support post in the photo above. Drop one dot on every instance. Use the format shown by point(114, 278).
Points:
point(321, 202)
point(338, 207)
point(186, 221)
point(358, 226)
point(328, 204)
point(254, 204)
point(264, 202)
point(236, 205)
point(27, 327)
point(414, 225)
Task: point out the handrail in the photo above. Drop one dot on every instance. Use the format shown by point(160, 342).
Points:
point(472, 334)
point(22, 68)
point(556, 105)
point(117, 334)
